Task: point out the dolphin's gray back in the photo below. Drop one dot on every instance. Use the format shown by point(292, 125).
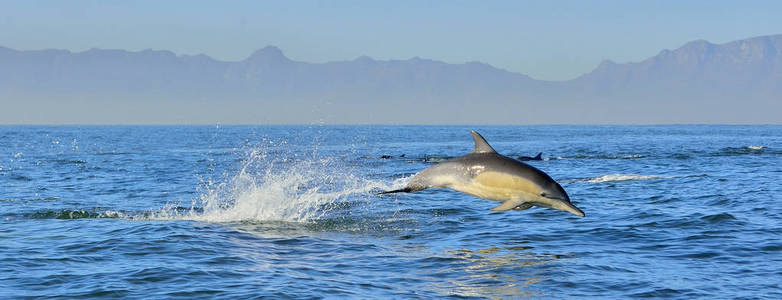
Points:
point(468, 166)
point(500, 163)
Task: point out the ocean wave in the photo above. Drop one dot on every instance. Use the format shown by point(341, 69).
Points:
point(18, 177)
point(752, 149)
point(54, 198)
point(69, 214)
point(618, 177)
point(69, 161)
point(589, 156)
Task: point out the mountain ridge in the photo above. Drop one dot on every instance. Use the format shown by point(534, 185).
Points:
point(683, 85)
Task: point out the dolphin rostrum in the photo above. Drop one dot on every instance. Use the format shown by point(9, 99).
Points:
point(486, 174)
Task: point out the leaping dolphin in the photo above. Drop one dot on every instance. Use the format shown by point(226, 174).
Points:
point(486, 174)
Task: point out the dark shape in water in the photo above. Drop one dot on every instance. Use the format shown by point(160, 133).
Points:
point(528, 158)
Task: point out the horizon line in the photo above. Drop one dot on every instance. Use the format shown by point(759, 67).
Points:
point(378, 125)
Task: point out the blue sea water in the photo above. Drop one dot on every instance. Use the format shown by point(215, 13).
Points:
point(242, 212)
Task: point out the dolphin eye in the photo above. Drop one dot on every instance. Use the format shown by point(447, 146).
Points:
point(543, 194)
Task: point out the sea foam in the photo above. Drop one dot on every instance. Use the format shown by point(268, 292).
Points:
point(620, 177)
point(280, 189)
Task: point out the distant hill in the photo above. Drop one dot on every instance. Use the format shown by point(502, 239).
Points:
point(747, 65)
point(700, 82)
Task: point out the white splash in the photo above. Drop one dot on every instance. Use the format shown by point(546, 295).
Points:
point(621, 177)
point(756, 147)
point(287, 189)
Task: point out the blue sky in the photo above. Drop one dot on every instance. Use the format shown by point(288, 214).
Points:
point(553, 40)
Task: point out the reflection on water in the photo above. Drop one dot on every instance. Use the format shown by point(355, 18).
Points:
point(498, 273)
point(510, 271)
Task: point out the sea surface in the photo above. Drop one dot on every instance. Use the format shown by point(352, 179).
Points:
point(240, 212)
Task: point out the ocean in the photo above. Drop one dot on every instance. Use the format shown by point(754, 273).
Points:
point(240, 212)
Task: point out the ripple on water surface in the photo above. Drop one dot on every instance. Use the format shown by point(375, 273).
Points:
point(243, 212)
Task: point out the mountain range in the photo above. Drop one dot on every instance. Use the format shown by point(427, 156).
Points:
point(700, 82)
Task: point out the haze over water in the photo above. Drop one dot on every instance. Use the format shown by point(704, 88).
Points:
point(291, 211)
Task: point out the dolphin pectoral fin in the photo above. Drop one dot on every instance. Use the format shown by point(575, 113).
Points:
point(508, 205)
point(523, 206)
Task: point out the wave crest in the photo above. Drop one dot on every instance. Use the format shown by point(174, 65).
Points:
point(752, 149)
point(619, 177)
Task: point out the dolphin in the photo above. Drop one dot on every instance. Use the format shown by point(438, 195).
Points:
point(486, 174)
point(536, 157)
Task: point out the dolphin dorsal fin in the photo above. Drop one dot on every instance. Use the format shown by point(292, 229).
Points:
point(481, 146)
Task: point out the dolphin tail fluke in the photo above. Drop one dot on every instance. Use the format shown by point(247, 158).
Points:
point(403, 190)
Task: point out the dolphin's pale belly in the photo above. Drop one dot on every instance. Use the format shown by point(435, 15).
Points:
point(498, 186)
